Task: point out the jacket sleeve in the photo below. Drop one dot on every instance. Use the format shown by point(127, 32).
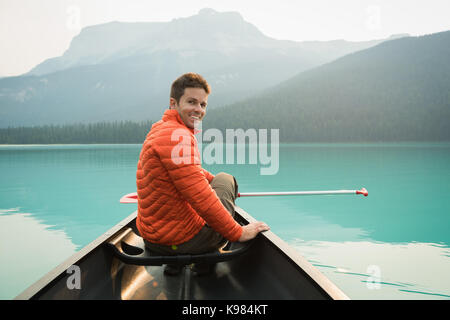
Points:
point(208, 175)
point(181, 159)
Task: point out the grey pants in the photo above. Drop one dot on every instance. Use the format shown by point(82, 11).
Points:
point(206, 240)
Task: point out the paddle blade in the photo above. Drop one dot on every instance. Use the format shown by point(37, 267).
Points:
point(363, 191)
point(129, 198)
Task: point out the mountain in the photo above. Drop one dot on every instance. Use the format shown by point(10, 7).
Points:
point(123, 71)
point(395, 91)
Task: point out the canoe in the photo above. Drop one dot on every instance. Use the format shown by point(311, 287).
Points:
point(265, 268)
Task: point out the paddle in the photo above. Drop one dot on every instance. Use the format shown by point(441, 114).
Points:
point(132, 197)
point(363, 191)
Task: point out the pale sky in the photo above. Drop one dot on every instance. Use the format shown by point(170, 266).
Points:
point(32, 31)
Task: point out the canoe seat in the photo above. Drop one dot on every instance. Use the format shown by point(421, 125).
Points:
point(129, 248)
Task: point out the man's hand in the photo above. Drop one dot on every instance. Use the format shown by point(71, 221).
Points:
point(250, 230)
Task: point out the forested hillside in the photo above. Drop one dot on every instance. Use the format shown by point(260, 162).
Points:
point(398, 90)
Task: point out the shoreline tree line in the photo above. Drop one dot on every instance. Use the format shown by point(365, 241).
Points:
point(129, 132)
point(92, 133)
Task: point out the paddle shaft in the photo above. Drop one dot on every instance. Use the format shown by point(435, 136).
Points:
point(132, 197)
point(363, 191)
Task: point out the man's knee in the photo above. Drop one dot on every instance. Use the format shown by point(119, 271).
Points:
point(225, 183)
point(223, 176)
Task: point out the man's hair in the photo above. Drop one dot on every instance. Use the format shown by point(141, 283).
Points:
point(188, 80)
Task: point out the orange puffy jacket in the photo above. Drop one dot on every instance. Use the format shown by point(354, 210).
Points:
point(175, 198)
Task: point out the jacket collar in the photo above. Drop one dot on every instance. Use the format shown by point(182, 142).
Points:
point(173, 115)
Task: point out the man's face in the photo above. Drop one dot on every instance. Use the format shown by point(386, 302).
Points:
point(192, 105)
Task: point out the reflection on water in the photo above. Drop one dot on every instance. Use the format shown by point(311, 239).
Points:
point(75, 188)
point(28, 250)
point(371, 270)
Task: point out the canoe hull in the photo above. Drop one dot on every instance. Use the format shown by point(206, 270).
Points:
point(269, 270)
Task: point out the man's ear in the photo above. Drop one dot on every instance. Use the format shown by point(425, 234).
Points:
point(172, 103)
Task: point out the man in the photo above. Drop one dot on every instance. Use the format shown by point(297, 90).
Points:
point(182, 208)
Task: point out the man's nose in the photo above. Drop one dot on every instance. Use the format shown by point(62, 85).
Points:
point(198, 108)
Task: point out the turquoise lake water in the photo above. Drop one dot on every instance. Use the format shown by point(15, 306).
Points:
point(393, 244)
